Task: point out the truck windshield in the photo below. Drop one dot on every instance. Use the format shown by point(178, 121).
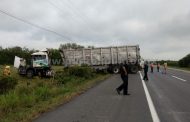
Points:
point(38, 57)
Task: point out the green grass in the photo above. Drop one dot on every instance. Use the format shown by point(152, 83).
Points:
point(31, 97)
point(182, 68)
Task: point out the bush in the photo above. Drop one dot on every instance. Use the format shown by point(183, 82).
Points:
point(85, 72)
point(23, 90)
point(60, 77)
point(172, 63)
point(26, 96)
point(27, 100)
point(169, 62)
point(7, 83)
point(84, 65)
point(185, 62)
point(42, 93)
point(8, 102)
point(65, 79)
point(73, 74)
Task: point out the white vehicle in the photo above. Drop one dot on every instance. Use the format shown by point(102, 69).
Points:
point(108, 58)
point(40, 65)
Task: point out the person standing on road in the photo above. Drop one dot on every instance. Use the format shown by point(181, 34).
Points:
point(145, 71)
point(124, 77)
point(165, 68)
point(158, 67)
point(152, 67)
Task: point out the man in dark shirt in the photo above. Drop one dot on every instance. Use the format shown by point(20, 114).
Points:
point(124, 77)
point(145, 71)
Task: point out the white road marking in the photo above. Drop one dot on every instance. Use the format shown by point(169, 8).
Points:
point(179, 78)
point(153, 112)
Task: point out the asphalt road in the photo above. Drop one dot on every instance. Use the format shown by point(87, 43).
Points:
point(169, 94)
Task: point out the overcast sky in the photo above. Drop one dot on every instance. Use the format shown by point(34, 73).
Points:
point(160, 27)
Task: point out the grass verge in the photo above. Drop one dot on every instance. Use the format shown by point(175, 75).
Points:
point(181, 68)
point(33, 97)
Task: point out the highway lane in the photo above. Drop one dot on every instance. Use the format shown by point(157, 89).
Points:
point(103, 104)
point(181, 74)
point(170, 97)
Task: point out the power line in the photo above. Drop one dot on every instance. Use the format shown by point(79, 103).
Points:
point(73, 17)
point(57, 7)
point(61, 10)
point(82, 16)
point(54, 5)
point(73, 10)
point(34, 25)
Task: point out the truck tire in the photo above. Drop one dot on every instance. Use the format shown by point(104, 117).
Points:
point(134, 69)
point(115, 70)
point(22, 70)
point(30, 73)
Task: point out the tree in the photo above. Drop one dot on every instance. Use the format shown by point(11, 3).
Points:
point(91, 47)
point(185, 61)
point(55, 56)
point(70, 45)
point(7, 55)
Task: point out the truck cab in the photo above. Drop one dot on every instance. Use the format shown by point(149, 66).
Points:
point(40, 65)
point(40, 59)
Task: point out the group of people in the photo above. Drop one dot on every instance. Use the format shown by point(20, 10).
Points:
point(124, 70)
point(152, 69)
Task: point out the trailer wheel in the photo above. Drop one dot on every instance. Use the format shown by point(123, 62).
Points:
point(115, 70)
point(134, 69)
point(30, 73)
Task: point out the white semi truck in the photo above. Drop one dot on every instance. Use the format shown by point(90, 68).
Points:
point(40, 65)
point(108, 58)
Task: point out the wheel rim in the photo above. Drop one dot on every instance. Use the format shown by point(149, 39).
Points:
point(116, 70)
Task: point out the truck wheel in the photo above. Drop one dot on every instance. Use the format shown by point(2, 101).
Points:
point(134, 69)
point(115, 70)
point(30, 73)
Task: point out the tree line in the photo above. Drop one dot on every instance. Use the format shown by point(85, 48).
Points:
point(7, 55)
point(185, 62)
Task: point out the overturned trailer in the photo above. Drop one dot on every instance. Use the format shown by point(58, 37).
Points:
point(108, 58)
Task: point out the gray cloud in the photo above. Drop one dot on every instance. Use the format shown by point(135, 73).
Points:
point(161, 28)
